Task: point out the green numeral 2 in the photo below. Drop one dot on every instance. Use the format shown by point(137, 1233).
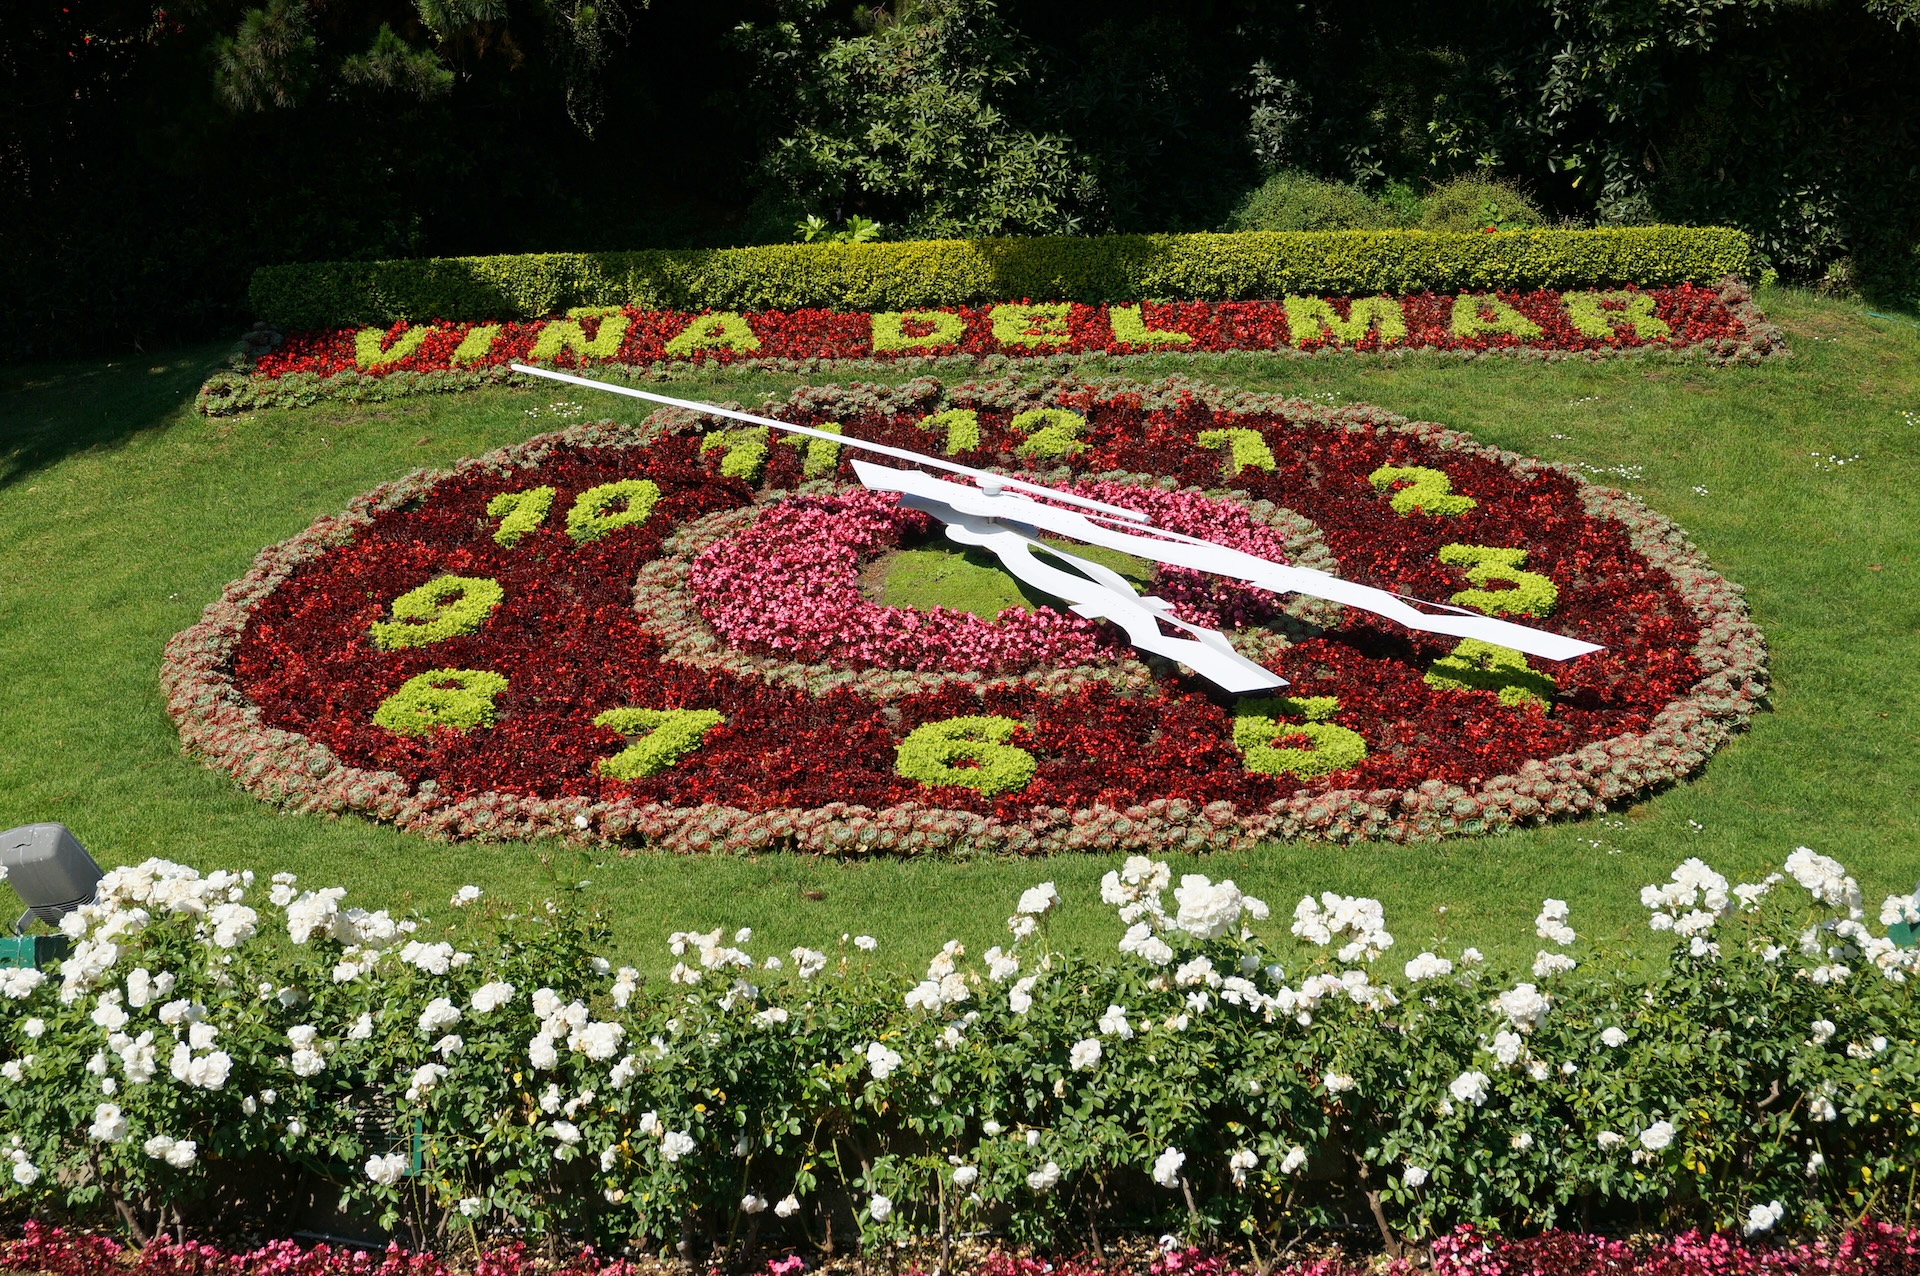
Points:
point(1426, 491)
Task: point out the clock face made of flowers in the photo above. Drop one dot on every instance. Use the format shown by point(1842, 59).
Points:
point(696, 636)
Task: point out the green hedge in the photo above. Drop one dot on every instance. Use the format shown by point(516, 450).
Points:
point(1113, 268)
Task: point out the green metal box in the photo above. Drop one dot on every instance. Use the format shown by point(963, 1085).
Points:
point(37, 951)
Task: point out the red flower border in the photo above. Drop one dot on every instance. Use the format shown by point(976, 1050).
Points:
point(1720, 323)
point(217, 720)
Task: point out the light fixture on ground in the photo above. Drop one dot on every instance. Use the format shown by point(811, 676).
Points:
point(53, 875)
point(1907, 934)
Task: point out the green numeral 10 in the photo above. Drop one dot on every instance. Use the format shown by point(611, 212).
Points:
point(595, 512)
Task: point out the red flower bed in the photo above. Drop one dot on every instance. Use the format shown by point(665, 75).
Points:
point(282, 680)
point(1687, 316)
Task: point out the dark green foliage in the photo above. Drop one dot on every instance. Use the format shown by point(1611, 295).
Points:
point(149, 161)
point(136, 198)
point(883, 276)
point(912, 120)
point(268, 61)
point(1299, 201)
point(394, 64)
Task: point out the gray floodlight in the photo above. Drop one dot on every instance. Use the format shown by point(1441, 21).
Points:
point(50, 871)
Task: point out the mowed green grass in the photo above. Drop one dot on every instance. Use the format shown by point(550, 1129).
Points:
point(122, 513)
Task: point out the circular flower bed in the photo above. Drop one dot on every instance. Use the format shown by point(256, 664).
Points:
point(660, 634)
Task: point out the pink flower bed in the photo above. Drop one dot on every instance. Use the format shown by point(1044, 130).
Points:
point(1873, 1249)
point(790, 585)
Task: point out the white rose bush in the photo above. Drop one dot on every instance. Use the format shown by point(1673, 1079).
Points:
point(1225, 1070)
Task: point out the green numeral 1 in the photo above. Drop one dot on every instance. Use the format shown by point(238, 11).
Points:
point(519, 513)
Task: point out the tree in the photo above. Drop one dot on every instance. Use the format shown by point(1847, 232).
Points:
point(912, 117)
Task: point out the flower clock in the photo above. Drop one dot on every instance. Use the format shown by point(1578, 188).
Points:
point(712, 637)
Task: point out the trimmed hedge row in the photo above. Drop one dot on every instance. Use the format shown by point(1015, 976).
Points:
point(1113, 268)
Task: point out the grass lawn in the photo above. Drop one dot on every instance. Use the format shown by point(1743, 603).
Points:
point(122, 513)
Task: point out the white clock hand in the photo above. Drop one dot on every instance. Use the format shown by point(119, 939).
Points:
point(1104, 594)
point(990, 500)
point(1177, 550)
point(986, 478)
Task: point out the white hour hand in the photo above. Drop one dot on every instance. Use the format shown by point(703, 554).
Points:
point(1100, 593)
point(1176, 550)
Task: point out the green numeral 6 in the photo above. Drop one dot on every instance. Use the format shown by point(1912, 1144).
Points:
point(1256, 725)
point(932, 754)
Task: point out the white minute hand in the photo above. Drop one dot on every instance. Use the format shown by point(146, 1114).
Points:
point(1176, 550)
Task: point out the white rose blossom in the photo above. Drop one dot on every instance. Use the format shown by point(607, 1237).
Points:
point(881, 1061)
point(1470, 1087)
point(109, 1126)
point(1038, 900)
point(1551, 924)
point(439, 1015)
point(386, 1170)
point(489, 997)
point(1524, 1006)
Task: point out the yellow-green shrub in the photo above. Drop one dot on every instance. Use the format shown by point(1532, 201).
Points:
point(901, 276)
